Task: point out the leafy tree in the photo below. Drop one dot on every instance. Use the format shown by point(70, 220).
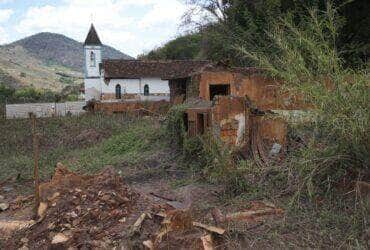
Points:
point(5, 93)
point(219, 27)
point(181, 48)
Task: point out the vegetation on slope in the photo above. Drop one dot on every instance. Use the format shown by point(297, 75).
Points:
point(182, 48)
point(226, 25)
point(318, 176)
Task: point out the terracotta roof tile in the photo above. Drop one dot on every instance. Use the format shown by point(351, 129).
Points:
point(142, 68)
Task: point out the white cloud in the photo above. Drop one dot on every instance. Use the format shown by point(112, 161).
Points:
point(129, 25)
point(5, 1)
point(3, 36)
point(5, 14)
point(163, 13)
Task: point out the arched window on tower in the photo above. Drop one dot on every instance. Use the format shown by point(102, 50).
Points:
point(146, 89)
point(118, 92)
point(92, 59)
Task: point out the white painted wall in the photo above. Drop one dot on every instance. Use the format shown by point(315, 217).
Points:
point(156, 86)
point(44, 109)
point(128, 86)
point(92, 88)
point(92, 70)
point(136, 86)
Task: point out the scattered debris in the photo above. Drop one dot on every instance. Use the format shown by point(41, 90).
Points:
point(275, 150)
point(252, 214)
point(101, 212)
point(4, 206)
point(162, 197)
point(90, 208)
point(8, 227)
point(137, 225)
point(7, 189)
point(42, 210)
point(217, 215)
point(207, 242)
point(212, 229)
point(258, 210)
point(149, 244)
point(59, 238)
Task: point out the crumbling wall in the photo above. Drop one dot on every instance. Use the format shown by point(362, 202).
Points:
point(230, 119)
point(272, 129)
point(177, 90)
point(158, 107)
point(193, 86)
point(264, 93)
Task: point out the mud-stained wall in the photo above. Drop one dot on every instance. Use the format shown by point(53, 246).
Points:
point(272, 129)
point(263, 92)
point(177, 89)
point(230, 119)
point(160, 107)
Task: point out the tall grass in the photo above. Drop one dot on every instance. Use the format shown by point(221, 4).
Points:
point(309, 64)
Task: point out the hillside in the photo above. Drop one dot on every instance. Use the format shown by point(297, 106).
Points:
point(46, 60)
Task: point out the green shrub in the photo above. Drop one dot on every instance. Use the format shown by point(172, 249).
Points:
point(309, 64)
point(5, 93)
point(175, 125)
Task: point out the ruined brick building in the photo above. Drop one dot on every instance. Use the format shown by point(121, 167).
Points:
point(236, 104)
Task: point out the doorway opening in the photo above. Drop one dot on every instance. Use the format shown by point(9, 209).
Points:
point(200, 124)
point(218, 89)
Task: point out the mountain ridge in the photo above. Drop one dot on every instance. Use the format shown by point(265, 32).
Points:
point(60, 49)
point(46, 61)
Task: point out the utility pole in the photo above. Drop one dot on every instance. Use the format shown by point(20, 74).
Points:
point(36, 154)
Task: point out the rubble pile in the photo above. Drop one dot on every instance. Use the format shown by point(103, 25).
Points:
point(101, 212)
point(79, 211)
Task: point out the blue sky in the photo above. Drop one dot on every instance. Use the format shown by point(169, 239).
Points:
point(132, 26)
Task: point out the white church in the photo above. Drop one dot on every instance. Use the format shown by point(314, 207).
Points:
point(108, 80)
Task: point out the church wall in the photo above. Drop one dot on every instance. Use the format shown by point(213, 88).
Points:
point(135, 86)
point(92, 89)
point(128, 86)
point(156, 86)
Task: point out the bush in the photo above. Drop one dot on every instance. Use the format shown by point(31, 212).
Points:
point(309, 64)
point(5, 93)
point(175, 125)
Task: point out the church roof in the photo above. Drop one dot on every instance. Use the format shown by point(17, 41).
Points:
point(92, 37)
point(133, 69)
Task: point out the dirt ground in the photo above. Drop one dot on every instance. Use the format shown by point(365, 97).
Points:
point(100, 211)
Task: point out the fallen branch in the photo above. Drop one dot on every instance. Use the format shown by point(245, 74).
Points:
point(212, 229)
point(253, 213)
point(149, 244)
point(161, 197)
point(207, 242)
point(137, 225)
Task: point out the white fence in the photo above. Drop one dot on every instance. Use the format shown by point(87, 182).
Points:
point(43, 109)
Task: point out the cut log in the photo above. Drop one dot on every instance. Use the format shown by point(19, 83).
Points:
point(212, 229)
point(217, 215)
point(207, 242)
point(162, 197)
point(41, 211)
point(137, 225)
point(149, 244)
point(253, 213)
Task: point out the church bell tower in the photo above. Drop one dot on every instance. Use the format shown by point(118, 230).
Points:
point(93, 60)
